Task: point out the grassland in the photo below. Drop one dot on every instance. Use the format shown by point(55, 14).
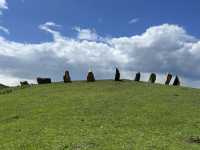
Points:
point(104, 115)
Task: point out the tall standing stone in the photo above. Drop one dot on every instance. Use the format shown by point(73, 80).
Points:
point(176, 81)
point(90, 77)
point(137, 77)
point(152, 78)
point(117, 75)
point(66, 77)
point(168, 80)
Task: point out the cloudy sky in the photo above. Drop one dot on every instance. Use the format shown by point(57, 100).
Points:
point(45, 37)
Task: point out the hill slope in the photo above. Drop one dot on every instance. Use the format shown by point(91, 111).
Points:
point(104, 115)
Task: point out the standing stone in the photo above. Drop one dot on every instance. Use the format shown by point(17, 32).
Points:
point(43, 80)
point(168, 80)
point(176, 81)
point(66, 77)
point(117, 75)
point(137, 77)
point(90, 77)
point(152, 78)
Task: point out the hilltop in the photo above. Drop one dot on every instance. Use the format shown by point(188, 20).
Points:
point(104, 115)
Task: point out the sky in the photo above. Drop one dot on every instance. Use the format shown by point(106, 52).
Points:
point(45, 38)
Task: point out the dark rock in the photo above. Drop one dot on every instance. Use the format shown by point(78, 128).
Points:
point(66, 77)
point(176, 81)
point(43, 80)
point(24, 83)
point(90, 77)
point(117, 75)
point(168, 80)
point(152, 78)
point(137, 77)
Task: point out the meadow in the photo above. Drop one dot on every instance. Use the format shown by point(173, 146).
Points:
point(104, 115)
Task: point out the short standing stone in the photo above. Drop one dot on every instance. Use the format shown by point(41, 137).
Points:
point(66, 77)
point(90, 77)
point(176, 81)
point(168, 80)
point(152, 78)
point(43, 80)
point(137, 77)
point(117, 75)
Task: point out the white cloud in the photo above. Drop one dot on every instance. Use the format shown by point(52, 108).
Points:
point(87, 34)
point(134, 20)
point(5, 30)
point(161, 49)
point(48, 27)
point(3, 5)
point(49, 24)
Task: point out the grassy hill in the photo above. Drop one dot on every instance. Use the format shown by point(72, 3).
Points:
point(104, 115)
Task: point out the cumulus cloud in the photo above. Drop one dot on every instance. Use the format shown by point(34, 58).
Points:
point(161, 49)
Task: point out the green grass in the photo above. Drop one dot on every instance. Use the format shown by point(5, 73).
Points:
point(104, 115)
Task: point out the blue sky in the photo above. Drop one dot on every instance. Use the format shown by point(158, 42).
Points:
point(108, 17)
point(45, 37)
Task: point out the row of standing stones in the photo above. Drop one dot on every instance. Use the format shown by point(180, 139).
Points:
point(152, 79)
point(91, 78)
